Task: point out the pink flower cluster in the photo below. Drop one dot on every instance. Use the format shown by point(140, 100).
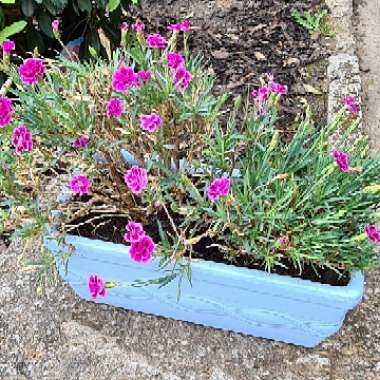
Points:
point(32, 70)
point(115, 108)
point(80, 184)
point(142, 245)
point(342, 160)
point(125, 77)
point(183, 26)
point(22, 139)
point(352, 104)
point(96, 287)
point(181, 76)
point(150, 122)
point(156, 41)
point(81, 142)
point(278, 88)
point(6, 111)
point(372, 233)
point(7, 47)
point(220, 187)
point(136, 179)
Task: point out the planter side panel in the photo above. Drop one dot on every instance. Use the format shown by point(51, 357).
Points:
point(222, 296)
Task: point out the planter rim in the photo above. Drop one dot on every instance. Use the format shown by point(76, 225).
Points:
point(352, 291)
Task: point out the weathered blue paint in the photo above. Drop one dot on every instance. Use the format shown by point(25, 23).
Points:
point(224, 296)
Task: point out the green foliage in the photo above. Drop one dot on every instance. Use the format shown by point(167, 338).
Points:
point(316, 22)
point(284, 181)
point(79, 18)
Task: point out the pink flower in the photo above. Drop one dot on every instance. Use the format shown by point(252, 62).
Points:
point(182, 78)
point(278, 88)
point(220, 187)
point(372, 233)
point(136, 179)
point(55, 25)
point(141, 250)
point(156, 41)
point(6, 111)
point(22, 139)
point(175, 60)
point(262, 95)
point(8, 46)
point(352, 104)
point(150, 122)
point(282, 241)
point(183, 26)
point(115, 108)
point(80, 184)
point(144, 76)
point(96, 287)
point(134, 232)
point(341, 159)
point(32, 70)
point(124, 27)
point(138, 27)
point(81, 142)
point(124, 78)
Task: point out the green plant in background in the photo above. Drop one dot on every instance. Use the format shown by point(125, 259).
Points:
point(316, 22)
point(90, 19)
point(7, 31)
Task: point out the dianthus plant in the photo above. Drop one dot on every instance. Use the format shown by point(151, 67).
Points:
point(142, 137)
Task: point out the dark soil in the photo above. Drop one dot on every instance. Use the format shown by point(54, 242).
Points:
point(244, 39)
point(112, 229)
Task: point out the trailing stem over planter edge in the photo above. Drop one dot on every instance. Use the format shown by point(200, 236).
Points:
point(245, 190)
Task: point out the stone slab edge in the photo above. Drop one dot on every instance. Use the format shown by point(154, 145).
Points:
point(343, 72)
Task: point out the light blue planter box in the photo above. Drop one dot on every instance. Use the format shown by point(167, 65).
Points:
point(243, 300)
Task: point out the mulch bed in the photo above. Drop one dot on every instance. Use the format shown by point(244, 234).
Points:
point(244, 39)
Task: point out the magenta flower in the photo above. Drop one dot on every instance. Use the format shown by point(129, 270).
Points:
point(22, 139)
point(372, 233)
point(278, 88)
point(7, 47)
point(342, 160)
point(220, 187)
point(156, 41)
point(124, 27)
point(262, 95)
point(141, 250)
point(182, 78)
point(150, 122)
point(134, 232)
point(352, 104)
point(6, 111)
point(124, 78)
point(136, 179)
point(80, 184)
point(115, 108)
point(282, 241)
point(138, 27)
point(96, 287)
point(175, 60)
point(144, 76)
point(81, 142)
point(32, 70)
point(55, 25)
point(183, 26)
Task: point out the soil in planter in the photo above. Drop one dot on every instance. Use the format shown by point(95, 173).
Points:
point(244, 39)
point(112, 229)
